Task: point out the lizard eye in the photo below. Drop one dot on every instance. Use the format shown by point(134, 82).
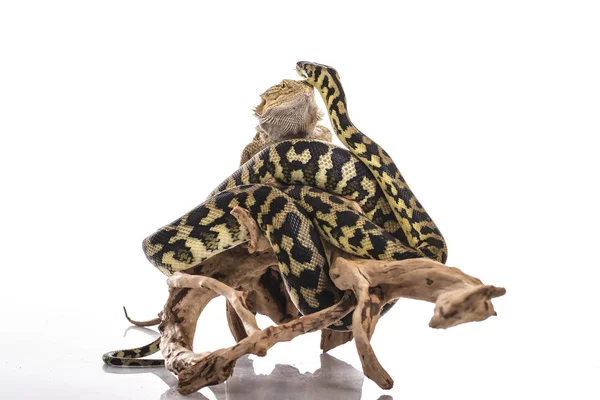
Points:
point(283, 85)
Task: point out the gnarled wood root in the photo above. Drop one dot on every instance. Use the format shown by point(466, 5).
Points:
point(458, 297)
point(369, 285)
point(150, 322)
point(218, 366)
point(263, 292)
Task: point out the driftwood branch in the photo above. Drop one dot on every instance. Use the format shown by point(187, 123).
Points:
point(178, 326)
point(236, 326)
point(231, 272)
point(458, 297)
point(332, 339)
point(150, 322)
point(364, 319)
point(257, 241)
point(218, 366)
point(251, 284)
point(235, 298)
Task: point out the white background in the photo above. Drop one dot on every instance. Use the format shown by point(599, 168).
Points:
point(116, 117)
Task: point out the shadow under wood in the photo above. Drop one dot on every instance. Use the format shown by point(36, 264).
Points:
point(334, 380)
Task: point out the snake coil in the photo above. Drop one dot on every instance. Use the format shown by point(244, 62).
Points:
point(317, 174)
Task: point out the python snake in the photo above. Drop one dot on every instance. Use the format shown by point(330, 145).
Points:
point(289, 218)
point(131, 357)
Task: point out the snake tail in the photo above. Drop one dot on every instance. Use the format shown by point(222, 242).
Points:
point(132, 357)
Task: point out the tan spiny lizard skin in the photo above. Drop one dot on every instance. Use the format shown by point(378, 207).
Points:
point(286, 111)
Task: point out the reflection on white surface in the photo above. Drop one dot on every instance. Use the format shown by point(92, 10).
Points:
point(334, 380)
point(154, 334)
point(59, 356)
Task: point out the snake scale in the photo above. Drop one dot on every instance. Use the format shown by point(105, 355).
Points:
point(395, 225)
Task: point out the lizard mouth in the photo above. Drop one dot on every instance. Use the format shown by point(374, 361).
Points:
point(258, 110)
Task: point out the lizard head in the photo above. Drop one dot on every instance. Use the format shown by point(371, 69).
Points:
point(288, 109)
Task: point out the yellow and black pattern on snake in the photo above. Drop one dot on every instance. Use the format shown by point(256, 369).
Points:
point(132, 357)
point(210, 229)
point(336, 222)
point(345, 228)
point(324, 166)
point(419, 228)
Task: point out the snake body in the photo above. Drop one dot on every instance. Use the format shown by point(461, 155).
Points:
point(210, 229)
point(419, 228)
point(364, 173)
point(182, 244)
point(324, 166)
point(131, 357)
point(395, 225)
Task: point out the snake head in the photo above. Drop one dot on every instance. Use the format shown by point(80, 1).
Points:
point(312, 71)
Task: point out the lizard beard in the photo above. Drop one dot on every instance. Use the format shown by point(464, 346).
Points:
point(296, 118)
